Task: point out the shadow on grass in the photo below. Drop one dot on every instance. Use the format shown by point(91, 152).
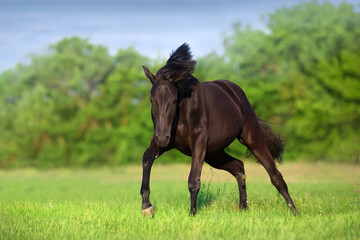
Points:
point(206, 196)
point(209, 193)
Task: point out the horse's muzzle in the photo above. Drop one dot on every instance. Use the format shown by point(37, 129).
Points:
point(162, 140)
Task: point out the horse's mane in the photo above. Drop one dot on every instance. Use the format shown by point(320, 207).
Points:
point(178, 70)
point(179, 66)
point(181, 59)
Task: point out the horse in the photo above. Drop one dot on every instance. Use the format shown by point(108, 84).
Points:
point(200, 119)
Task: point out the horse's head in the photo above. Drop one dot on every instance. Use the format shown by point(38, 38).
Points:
point(163, 97)
point(165, 89)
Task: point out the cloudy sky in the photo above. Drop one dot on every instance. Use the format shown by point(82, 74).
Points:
point(154, 27)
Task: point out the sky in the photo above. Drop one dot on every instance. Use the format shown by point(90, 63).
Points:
point(154, 27)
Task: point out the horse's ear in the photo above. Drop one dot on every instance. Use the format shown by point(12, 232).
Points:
point(150, 76)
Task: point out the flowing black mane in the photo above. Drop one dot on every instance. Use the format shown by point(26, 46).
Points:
point(179, 66)
point(181, 59)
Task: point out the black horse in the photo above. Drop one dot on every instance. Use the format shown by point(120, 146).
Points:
point(201, 119)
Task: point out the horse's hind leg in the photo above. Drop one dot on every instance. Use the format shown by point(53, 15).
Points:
point(221, 160)
point(255, 143)
point(264, 157)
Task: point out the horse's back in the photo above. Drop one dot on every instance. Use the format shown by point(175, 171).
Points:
point(226, 95)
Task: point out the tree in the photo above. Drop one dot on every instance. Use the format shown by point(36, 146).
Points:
point(79, 106)
point(305, 72)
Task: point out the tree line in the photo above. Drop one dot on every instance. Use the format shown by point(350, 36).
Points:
point(80, 106)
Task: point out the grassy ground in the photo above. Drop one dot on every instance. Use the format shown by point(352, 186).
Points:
point(105, 204)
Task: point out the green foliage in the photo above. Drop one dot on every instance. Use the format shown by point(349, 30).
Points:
point(80, 106)
point(304, 76)
point(76, 106)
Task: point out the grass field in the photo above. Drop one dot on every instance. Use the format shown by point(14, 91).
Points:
point(105, 204)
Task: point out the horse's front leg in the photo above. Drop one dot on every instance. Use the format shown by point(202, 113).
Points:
point(198, 153)
point(148, 158)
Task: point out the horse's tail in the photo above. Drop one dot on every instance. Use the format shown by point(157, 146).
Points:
point(273, 142)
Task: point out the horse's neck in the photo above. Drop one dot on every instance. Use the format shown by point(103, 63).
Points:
point(186, 87)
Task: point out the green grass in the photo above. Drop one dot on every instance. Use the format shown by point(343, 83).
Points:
point(105, 204)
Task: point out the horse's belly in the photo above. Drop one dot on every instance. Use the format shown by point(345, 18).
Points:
point(219, 137)
point(224, 126)
point(218, 140)
point(214, 145)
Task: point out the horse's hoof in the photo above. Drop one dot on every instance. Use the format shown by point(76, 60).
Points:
point(293, 209)
point(244, 207)
point(148, 212)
